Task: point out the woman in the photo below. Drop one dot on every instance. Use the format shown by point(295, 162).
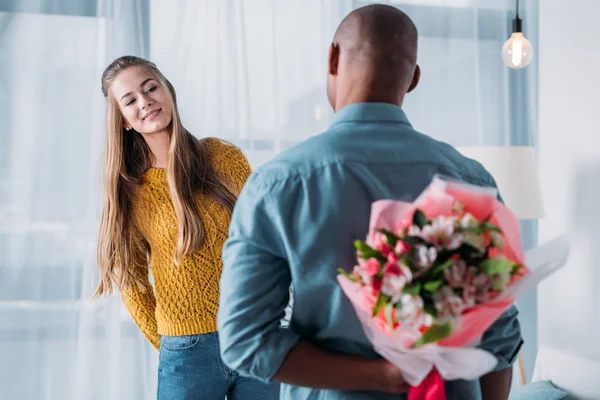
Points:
point(167, 206)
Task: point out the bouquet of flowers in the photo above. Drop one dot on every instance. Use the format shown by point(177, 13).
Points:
point(434, 274)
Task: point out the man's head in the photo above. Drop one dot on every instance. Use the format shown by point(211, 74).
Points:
point(373, 57)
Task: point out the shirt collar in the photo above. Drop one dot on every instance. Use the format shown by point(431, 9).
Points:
point(370, 112)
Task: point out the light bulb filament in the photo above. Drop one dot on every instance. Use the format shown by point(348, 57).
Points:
point(517, 52)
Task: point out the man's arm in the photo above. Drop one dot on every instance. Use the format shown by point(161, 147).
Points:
point(502, 339)
point(496, 385)
point(307, 365)
point(254, 293)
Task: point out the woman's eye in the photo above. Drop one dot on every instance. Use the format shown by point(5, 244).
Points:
point(151, 89)
point(130, 102)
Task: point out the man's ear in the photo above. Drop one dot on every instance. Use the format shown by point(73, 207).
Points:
point(415, 79)
point(333, 59)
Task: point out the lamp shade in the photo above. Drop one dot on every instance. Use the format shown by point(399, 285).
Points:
point(515, 170)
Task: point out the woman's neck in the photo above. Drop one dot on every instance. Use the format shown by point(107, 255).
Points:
point(159, 145)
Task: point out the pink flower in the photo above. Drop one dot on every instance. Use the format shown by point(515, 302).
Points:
point(401, 247)
point(476, 288)
point(377, 239)
point(396, 276)
point(379, 242)
point(372, 266)
point(392, 258)
point(441, 233)
point(456, 274)
point(362, 274)
point(398, 269)
point(376, 285)
point(448, 305)
point(392, 269)
point(469, 296)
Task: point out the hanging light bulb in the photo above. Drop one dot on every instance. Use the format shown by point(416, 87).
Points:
point(517, 52)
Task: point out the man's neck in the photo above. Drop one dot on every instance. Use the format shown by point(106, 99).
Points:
point(362, 95)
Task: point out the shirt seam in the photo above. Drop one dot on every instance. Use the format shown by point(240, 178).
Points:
point(264, 183)
point(380, 121)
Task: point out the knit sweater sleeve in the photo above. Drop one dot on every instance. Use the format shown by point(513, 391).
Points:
point(141, 303)
point(231, 163)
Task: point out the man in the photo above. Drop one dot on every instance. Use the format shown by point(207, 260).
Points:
point(297, 218)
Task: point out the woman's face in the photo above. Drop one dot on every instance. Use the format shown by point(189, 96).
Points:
point(144, 103)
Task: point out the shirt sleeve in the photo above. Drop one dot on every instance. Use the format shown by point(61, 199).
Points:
point(503, 339)
point(231, 163)
point(255, 283)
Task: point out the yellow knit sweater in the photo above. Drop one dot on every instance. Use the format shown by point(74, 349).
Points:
point(186, 298)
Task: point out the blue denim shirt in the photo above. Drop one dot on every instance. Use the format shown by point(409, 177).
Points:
point(295, 223)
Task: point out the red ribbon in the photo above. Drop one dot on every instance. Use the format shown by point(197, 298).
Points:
point(432, 388)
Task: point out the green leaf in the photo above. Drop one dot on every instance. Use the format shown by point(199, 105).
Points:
point(466, 251)
point(433, 334)
point(475, 240)
point(398, 305)
point(414, 240)
point(413, 289)
point(382, 301)
point(430, 309)
point(437, 269)
point(388, 315)
point(433, 285)
point(367, 252)
point(488, 226)
point(419, 218)
point(392, 238)
point(463, 229)
point(493, 266)
point(349, 275)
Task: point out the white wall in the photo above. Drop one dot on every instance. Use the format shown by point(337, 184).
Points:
point(569, 140)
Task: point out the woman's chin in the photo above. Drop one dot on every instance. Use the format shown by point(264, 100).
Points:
point(155, 127)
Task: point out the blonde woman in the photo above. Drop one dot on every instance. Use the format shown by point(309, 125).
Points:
point(167, 206)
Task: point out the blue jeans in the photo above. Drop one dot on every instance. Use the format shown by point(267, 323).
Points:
point(190, 367)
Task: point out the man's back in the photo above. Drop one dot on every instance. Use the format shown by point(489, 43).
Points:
point(306, 208)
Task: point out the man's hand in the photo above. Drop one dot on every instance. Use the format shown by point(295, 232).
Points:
point(307, 365)
point(392, 380)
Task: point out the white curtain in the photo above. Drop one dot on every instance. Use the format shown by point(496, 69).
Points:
point(250, 72)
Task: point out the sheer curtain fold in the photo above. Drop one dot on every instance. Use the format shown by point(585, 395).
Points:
point(252, 73)
point(55, 343)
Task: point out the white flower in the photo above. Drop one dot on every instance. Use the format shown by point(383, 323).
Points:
point(392, 286)
point(474, 239)
point(497, 240)
point(414, 230)
point(500, 280)
point(424, 256)
point(468, 221)
point(458, 207)
point(411, 310)
point(441, 233)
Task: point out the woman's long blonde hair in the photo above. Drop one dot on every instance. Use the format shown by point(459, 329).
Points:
point(122, 251)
